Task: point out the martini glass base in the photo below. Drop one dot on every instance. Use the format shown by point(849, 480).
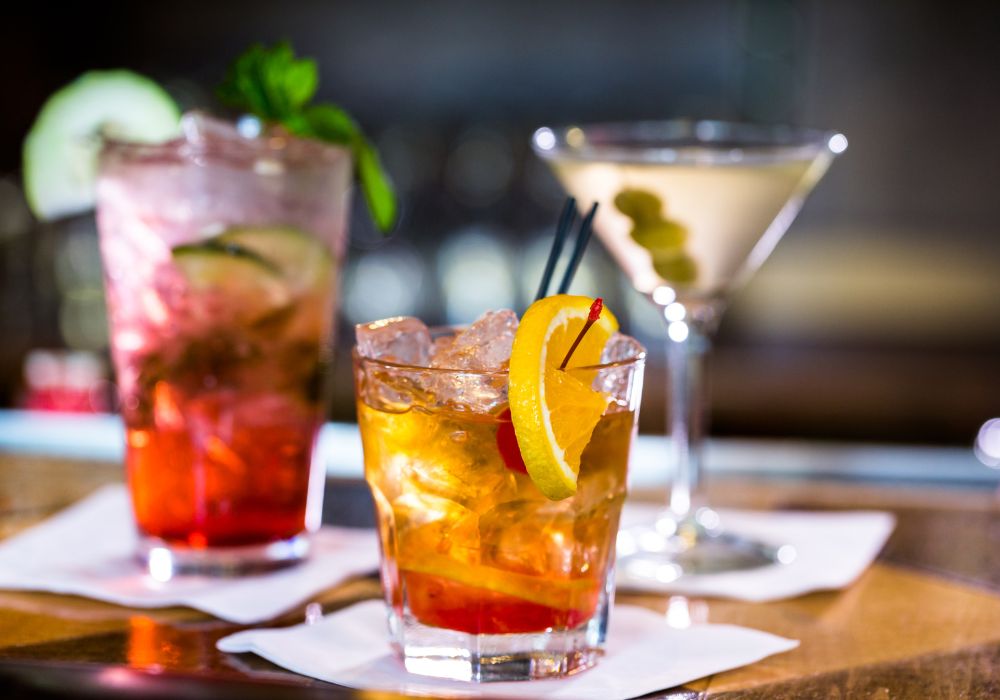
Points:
point(665, 551)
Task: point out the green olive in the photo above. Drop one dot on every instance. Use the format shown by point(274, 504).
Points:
point(662, 235)
point(640, 206)
point(678, 268)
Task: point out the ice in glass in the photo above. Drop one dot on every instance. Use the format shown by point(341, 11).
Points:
point(486, 578)
point(221, 256)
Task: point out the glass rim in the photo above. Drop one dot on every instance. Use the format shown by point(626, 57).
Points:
point(637, 359)
point(293, 152)
point(685, 141)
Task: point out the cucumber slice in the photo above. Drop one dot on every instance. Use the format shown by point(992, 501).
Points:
point(304, 261)
point(233, 282)
point(60, 152)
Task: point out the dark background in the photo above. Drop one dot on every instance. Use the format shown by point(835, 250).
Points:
point(877, 318)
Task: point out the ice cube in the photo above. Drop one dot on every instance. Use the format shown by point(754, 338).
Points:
point(401, 339)
point(621, 347)
point(471, 478)
point(394, 390)
point(201, 128)
point(530, 537)
point(427, 524)
point(442, 345)
point(616, 381)
point(475, 393)
point(483, 346)
point(265, 149)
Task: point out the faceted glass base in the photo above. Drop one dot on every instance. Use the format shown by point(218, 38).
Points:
point(433, 651)
point(663, 551)
point(165, 560)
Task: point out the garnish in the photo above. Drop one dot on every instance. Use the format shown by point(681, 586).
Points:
point(507, 445)
point(278, 88)
point(60, 152)
point(592, 316)
point(554, 413)
point(664, 238)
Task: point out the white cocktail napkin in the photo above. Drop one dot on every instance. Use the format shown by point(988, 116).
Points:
point(822, 551)
point(643, 654)
point(88, 550)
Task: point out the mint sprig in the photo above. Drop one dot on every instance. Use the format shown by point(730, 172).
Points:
point(278, 88)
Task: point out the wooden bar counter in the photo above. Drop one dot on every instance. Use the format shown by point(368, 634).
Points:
point(922, 622)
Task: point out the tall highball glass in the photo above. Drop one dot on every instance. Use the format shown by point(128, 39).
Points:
point(221, 254)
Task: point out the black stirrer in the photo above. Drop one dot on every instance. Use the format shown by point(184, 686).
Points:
point(565, 223)
point(586, 229)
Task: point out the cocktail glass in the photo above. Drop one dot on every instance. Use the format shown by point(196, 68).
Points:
point(221, 255)
point(484, 577)
point(689, 210)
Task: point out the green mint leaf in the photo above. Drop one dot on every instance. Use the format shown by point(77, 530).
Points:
point(270, 82)
point(274, 85)
point(298, 125)
point(301, 80)
point(270, 72)
point(375, 185)
point(243, 88)
point(331, 123)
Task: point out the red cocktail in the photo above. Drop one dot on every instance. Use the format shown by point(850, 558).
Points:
point(221, 256)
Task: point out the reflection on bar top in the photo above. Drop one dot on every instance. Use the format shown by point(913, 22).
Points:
point(100, 438)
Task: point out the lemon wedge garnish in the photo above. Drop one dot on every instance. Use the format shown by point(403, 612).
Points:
point(554, 413)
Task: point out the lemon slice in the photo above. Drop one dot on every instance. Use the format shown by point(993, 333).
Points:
point(553, 592)
point(554, 413)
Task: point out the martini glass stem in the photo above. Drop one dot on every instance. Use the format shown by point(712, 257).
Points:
point(687, 346)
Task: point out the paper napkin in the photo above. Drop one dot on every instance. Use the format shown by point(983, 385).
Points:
point(643, 654)
point(88, 548)
point(824, 551)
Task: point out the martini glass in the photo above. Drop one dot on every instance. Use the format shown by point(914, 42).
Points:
point(689, 210)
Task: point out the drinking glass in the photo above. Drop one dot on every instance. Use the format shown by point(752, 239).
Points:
point(221, 255)
point(689, 210)
point(485, 578)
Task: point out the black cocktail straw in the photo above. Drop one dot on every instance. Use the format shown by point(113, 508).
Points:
point(586, 229)
point(565, 223)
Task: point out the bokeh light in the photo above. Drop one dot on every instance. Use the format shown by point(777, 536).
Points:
point(475, 270)
point(988, 443)
point(382, 283)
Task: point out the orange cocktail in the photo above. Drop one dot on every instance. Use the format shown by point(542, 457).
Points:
point(473, 545)
point(475, 556)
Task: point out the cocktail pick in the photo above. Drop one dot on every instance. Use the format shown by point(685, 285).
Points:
point(595, 313)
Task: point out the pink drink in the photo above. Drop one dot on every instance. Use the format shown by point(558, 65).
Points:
point(221, 256)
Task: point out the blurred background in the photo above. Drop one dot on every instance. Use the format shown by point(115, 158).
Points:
point(876, 319)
